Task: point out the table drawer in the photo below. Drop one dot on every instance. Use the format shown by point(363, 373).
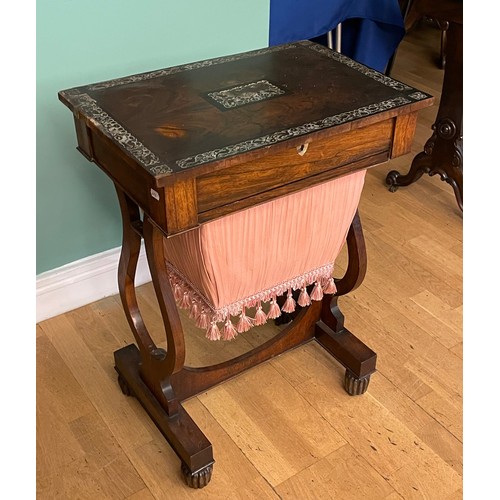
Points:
point(302, 160)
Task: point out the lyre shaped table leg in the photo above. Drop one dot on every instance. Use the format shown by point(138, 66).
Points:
point(358, 359)
point(145, 372)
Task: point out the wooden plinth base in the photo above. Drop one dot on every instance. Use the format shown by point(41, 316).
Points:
point(182, 433)
point(185, 437)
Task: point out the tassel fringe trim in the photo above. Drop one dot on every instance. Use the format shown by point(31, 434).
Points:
point(207, 317)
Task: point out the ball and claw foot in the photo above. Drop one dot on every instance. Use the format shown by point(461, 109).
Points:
point(355, 386)
point(198, 479)
point(391, 180)
point(124, 386)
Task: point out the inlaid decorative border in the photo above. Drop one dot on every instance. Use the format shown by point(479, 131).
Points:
point(187, 67)
point(229, 99)
point(115, 131)
point(235, 97)
point(418, 96)
point(275, 137)
point(365, 70)
point(371, 73)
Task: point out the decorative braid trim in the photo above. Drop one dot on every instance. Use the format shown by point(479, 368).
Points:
point(206, 316)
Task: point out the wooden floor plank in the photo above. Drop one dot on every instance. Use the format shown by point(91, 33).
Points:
point(72, 439)
point(382, 439)
point(342, 474)
point(447, 446)
point(96, 383)
point(143, 494)
point(279, 432)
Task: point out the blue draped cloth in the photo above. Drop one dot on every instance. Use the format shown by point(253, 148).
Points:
point(371, 29)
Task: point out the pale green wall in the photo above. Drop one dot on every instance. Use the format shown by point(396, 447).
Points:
point(85, 41)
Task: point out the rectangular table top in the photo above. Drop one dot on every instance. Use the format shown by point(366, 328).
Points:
point(175, 119)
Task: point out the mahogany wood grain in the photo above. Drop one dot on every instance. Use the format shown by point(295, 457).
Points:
point(181, 205)
point(404, 130)
point(292, 187)
point(312, 157)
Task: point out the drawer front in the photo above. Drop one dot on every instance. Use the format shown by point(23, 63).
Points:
point(311, 157)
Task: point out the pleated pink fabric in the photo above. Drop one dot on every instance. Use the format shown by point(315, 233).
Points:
point(249, 258)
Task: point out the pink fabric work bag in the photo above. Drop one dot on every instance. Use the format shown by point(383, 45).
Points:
point(247, 259)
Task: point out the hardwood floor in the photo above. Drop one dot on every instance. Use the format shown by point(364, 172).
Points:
point(287, 429)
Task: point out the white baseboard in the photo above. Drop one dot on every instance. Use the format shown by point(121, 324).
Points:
point(81, 282)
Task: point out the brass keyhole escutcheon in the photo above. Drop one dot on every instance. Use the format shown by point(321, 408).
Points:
point(302, 149)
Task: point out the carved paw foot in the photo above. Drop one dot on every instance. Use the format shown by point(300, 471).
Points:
point(355, 386)
point(198, 479)
point(124, 386)
point(392, 180)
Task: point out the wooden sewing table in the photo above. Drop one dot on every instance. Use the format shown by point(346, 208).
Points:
point(193, 143)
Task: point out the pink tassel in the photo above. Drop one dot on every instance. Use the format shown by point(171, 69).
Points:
point(274, 310)
point(245, 323)
point(304, 299)
point(195, 310)
point(330, 286)
point(213, 333)
point(186, 301)
point(317, 293)
point(178, 293)
point(289, 305)
point(260, 316)
point(229, 332)
point(202, 321)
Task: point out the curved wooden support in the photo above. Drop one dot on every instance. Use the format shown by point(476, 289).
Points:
point(421, 164)
point(157, 365)
point(191, 381)
point(131, 245)
point(158, 368)
point(331, 333)
point(357, 264)
point(353, 277)
point(155, 251)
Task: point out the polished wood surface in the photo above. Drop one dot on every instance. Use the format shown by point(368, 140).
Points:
point(170, 146)
point(176, 113)
point(406, 439)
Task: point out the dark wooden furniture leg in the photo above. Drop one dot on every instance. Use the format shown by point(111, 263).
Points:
point(159, 379)
point(358, 359)
point(146, 371)
point(443, 151)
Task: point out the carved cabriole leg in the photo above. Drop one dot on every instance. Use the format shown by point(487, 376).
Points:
point(421, 164)
point(331, 333)
point(145, 371)
point(443, 153)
